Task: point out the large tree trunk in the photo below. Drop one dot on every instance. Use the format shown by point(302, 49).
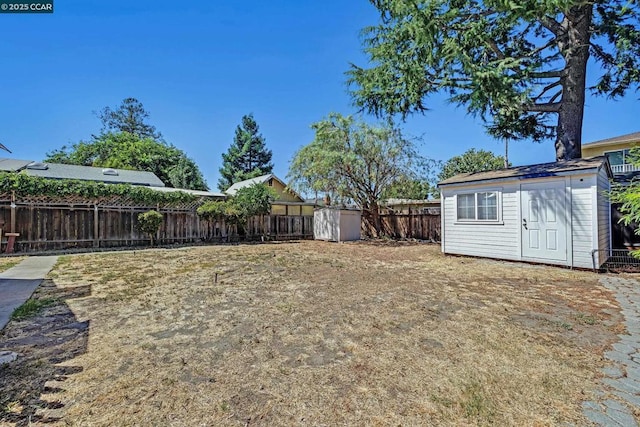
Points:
point(574, 45)
point(371, 213)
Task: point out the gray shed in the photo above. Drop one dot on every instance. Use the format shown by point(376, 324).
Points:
point(336, 225)
point(551, 213)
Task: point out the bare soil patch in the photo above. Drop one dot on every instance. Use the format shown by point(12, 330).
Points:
point(315, 333)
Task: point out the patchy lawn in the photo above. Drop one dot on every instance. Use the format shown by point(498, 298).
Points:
point(8, 262)
point(308, 333)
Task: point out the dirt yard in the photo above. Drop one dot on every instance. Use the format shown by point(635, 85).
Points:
point(307, 333)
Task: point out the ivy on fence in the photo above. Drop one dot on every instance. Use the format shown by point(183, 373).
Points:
point(25, 185)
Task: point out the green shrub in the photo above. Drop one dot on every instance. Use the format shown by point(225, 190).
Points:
point(149, 223)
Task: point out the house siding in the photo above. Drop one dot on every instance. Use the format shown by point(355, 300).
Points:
point(282, 193)
point(500, 241)
point(588, 152)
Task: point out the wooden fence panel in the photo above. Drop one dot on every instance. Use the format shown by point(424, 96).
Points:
point(280, 227)
point(408, 226)
point(58, 227)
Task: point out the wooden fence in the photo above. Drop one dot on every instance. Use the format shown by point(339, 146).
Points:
point(423, 226)
point(280, 227)
point(47, 226)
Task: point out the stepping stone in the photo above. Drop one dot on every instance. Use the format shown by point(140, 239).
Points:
point(7, 357)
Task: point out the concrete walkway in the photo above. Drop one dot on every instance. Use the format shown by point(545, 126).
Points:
point(621, 376)
point(18, 283)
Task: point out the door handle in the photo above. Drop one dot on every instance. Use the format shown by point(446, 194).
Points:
point(524, 224)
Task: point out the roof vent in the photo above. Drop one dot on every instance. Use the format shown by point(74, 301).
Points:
point(110, 171)
point(38, 166)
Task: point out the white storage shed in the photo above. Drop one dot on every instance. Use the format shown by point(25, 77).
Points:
point(551, 213)
point(336, 225)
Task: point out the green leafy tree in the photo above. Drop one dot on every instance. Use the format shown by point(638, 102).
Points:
point(125, 150)
point(149, 223)
point(248, 156)
point(521, 66)
point(130, 116)
point(354, 162)
point(471, 161)
point(415, 189)
point(247, 202)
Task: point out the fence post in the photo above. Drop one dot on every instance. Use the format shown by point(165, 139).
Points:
point(96, 227)
point(13, 211)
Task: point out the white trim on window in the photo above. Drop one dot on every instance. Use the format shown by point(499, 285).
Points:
point(476, 206)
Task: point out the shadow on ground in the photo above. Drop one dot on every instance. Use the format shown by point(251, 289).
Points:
point(29, 385)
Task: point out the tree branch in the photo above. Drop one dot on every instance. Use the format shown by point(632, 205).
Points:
point(552, 25)
point(551, 74)
point(494, 47)
point(548, 107)
point(556, 96)
point(547, 89)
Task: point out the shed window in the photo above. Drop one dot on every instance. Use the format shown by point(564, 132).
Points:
point(466, 206)
point(482, 206)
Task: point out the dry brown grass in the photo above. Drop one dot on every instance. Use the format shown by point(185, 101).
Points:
point(8, 262)
point(316, 333)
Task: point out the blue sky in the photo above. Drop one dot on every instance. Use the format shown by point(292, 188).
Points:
point(199, 66)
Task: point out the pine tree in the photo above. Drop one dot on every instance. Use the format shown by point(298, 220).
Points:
point(523, 66)
point(248, 156)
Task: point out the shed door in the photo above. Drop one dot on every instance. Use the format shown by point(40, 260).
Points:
point(544, 220)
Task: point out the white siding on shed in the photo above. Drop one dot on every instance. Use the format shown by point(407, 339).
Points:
point(582, 219)
point(498, 240)
point(336, 225)
point(586, 216)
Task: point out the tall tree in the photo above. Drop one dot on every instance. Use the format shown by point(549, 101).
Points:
point(130, 116)
point(127, 151)
point(471, 161)
point(521, 66)
point(248, 156)
point(355, 162)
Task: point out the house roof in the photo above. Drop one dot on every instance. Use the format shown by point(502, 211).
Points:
point(531, 171)
point(630, 137)
point(88, 173)
point(13, 165)
point(263, 179)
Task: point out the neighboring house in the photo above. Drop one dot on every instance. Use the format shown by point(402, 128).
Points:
point(551, 213)
point(617, 150)
point(13, 165)
point(406, 206)
point(89, 173)
point(288, 202)
point(84, 173)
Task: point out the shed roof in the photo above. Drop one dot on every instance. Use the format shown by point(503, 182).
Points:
point(531, 171)
point(630, 137)
point(88, 173)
